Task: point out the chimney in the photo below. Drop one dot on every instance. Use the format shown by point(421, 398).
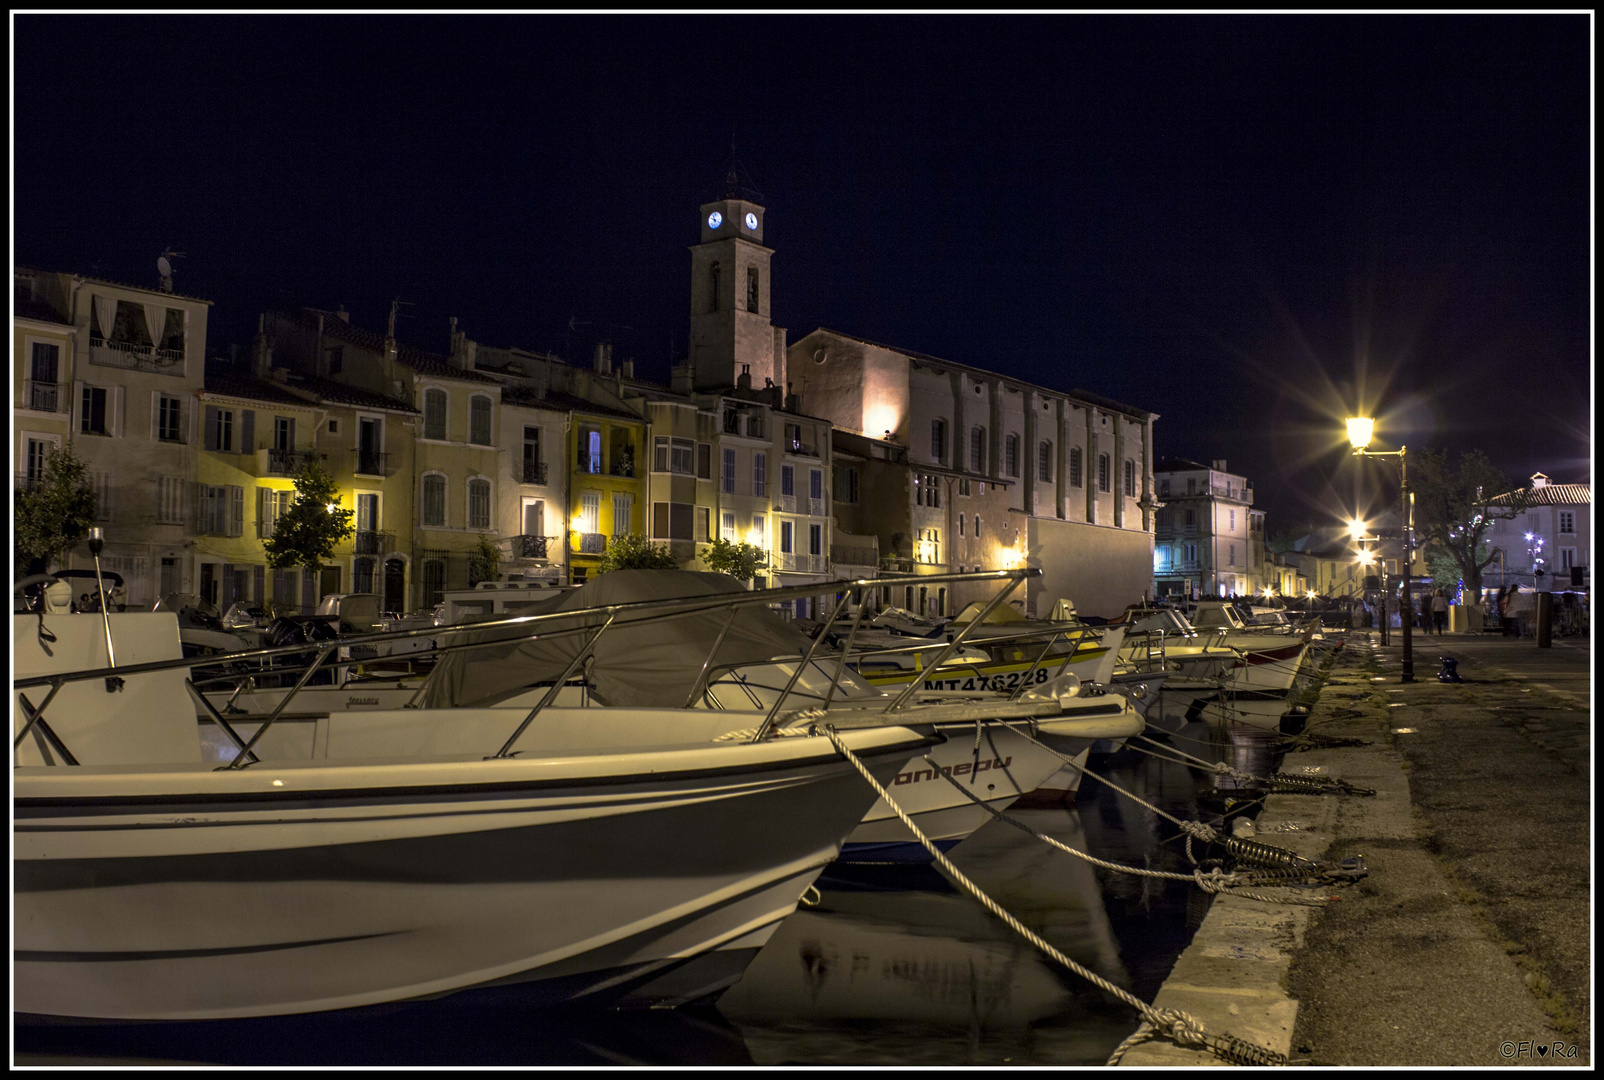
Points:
point(744, 380)
point(604, 358)
point(1219, 465)
point(682, 378)
point(629, 368)
point(345, 316)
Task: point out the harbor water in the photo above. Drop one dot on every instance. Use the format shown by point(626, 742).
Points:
point(893, 966)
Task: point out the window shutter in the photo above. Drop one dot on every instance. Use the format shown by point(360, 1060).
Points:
point(155, 406)
point(77, 407)
point(118, 398)
point(247, 431)
point(236, 510)
point(212, 426)
point(264, 527)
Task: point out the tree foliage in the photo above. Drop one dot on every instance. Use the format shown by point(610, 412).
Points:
point(739, 560)
point(54, 514)
point(635, 552)
point(484, 563)
point(1454, 509)
point(306, 533)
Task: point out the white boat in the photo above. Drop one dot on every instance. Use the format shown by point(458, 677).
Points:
point(602, 852)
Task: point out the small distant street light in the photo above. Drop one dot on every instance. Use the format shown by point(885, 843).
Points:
point(1360, 431)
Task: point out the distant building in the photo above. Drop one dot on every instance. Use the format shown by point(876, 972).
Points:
point(1553, 535)
point(1203, 540)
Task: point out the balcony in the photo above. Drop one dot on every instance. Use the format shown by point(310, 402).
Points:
point(816, 507)
point(532, 472)
point(626, 467)
point(372, 463)
point(30, 481)
point(854, 556)
point(127, 355)
point(802, 564)
point(370, 542)
point(525, 546)
point(592, 543)
point(44, 396)
point(897, 565)
point(786, 503)
point(800, 448)
point(289, 462)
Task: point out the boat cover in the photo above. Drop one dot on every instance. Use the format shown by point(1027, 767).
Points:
point(653, 663)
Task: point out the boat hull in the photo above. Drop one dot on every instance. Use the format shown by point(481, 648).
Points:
point(203, 894)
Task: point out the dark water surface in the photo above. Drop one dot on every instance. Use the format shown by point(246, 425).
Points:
point(894, 966)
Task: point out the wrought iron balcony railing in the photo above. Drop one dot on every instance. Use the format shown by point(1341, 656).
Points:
point(373, 542)
point(372, 462)
point(534, 472)
point(289, 462)
point(44, 396)
point(527, 546)
point(126, 354)
point(592, 544)
point(790, 560)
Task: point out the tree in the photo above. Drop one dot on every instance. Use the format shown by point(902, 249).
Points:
point(485, 562)
point(1280, 542)
point(739, 560)
point(1454, 508)
point(306, 533)
point(53, 514)
point(635, 552)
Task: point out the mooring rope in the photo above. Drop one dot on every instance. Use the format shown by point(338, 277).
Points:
point(1210, 881)
point(1278, 784)
point(1184, 1028)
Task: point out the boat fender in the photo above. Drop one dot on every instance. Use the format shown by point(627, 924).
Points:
point(1061, 689)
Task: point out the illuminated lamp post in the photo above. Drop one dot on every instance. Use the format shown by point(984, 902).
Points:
point(1360, 430)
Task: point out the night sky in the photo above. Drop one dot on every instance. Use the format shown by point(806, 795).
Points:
point(1247, 224)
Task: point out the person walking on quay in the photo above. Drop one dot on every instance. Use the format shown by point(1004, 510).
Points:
point(1439, 612)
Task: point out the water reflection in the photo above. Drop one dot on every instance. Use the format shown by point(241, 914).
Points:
point(894, 967)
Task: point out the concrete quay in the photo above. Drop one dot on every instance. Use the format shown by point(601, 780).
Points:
point(1468, 942)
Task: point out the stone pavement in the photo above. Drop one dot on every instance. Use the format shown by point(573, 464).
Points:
point(1468, 943)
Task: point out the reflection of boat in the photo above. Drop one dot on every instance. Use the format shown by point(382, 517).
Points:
point(602, 853)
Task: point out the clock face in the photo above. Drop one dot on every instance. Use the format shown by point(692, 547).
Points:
point(751, 221)
point(715, 219)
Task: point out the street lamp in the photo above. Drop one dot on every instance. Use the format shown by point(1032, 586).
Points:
point(1360, 430)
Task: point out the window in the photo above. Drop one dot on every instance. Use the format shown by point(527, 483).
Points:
point(815, 539)
point(222, 510)
point(170, 501)
point(590, 512)
point(1232, 520)
point(963, 485)
point(846, 484)
point(334, 427)
point(672, 455)
point(787, 480)
point(1191, 485)
point(1567, 522)
point(623, 511)
point(1567, 558)
point(1044, 461)
point(672, 521)
point(434, 581)
point(92, 419)
point(479, 419)
point(100, 482)
point(760, 483)
point(478, 504)
point(1102, 472)
point(434, 414)
point(961, 532)
point(1163, 489)
point(787, 539)
point(727, 477)
point(367, 513)
point(219, 429)
point(703, 517)
point(816, 484)
point(977, 526)
point(1130, 481)
point(1191, 516)
point(704, 461)
point(283, 433)
point(760, 530)
point(434, 499)
point(938, 440)
point(362, 576)
point(1074, 466)
point(169, 414)
point(726, 526)
point(977, 449)
point(1231, 560)
point(274, 505)
point(1191, 554)
point(1011, 454)
point(751, 288)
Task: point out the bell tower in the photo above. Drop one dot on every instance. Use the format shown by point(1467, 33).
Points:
point(730, 297)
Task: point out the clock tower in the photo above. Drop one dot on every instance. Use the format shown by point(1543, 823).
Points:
point(730, 296)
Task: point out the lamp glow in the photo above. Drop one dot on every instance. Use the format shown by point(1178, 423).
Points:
point(1356, 528)
point(1360, 429)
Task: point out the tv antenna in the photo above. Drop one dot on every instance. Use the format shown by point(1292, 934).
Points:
point(574, 322)
point(395, 312)
point(164, 267)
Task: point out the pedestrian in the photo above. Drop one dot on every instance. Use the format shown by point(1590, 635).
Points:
point(1439, 612)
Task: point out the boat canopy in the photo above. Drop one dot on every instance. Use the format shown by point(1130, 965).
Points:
point(643, 660)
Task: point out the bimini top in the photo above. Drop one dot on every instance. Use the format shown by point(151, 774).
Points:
point(643, 660)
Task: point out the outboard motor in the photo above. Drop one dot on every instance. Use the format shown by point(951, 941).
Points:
point(1450, 670)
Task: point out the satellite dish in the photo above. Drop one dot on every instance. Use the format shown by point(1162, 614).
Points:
point(163, 267)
